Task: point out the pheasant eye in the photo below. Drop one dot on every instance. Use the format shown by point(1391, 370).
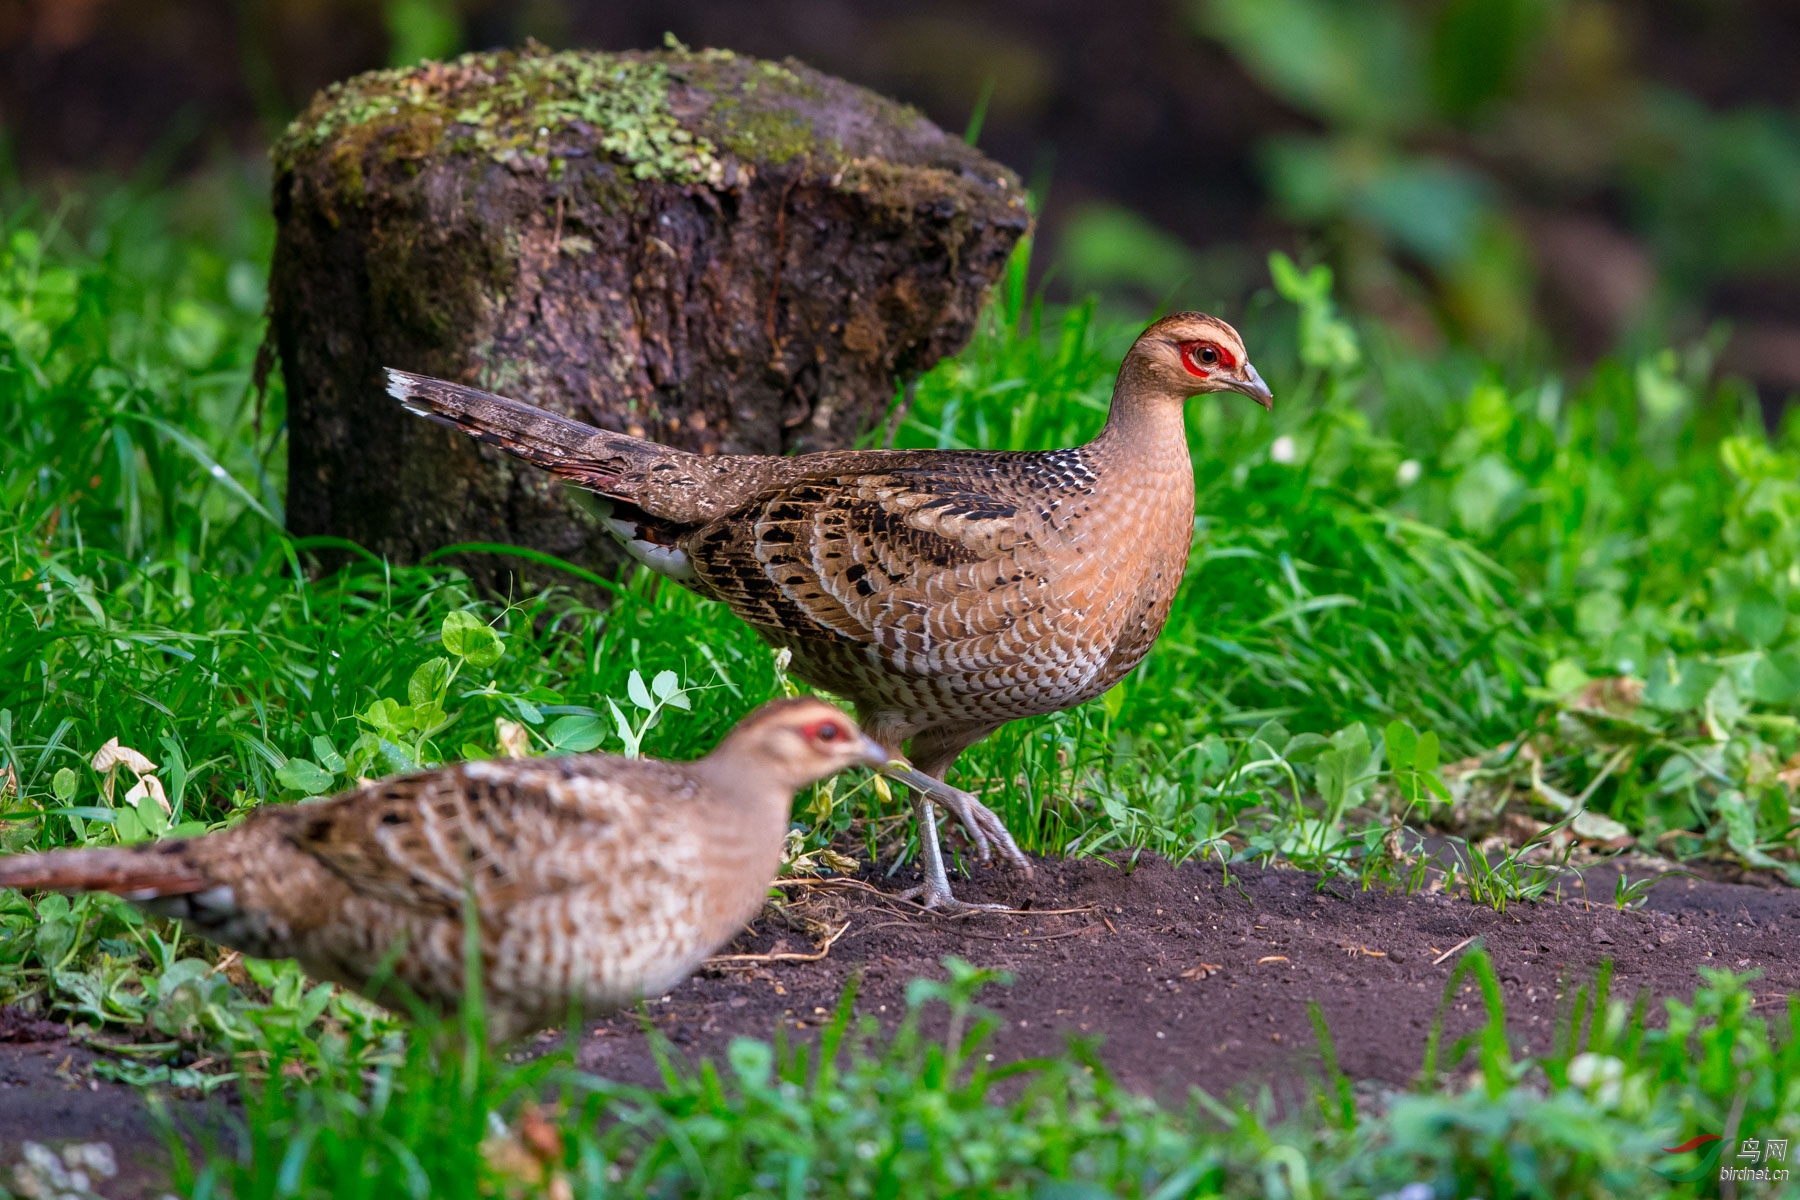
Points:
point(827, 731)
point(1202, 358)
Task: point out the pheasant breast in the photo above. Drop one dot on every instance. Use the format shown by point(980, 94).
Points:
point(1001, 591)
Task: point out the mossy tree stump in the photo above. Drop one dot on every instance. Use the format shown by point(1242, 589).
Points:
point(716, 252)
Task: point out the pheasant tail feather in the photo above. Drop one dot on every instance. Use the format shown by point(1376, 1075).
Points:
point(591, 457)
point(125, 872)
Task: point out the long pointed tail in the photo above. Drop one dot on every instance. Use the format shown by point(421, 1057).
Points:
point(139, 873)
point(593, 458)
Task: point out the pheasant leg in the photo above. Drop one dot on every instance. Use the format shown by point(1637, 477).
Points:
point(985, 829)
point(983, 826)
point(934, 894)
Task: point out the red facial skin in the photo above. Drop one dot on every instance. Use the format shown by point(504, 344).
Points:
point(1192, 358)
point(825, 731)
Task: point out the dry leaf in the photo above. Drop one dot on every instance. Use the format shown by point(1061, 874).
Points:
point(1518, 829)
point(505, 1156)
point(843, 864)
point(541, 1137)
point(1615, 695)
point(528, 1160)
point(112, 755)
point(1593, 827)
point(1789, 775)
point(515, 740)
point(1357, 948)
point(149, 785)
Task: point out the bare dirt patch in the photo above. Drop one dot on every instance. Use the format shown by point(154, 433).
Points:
point(47, 1095)
point(1190, 980)
point(1185, 978)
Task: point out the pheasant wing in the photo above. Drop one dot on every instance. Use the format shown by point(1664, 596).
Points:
point(940, 570)
point(506, 831)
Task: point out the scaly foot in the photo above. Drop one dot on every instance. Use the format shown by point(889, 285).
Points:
point(985, 829)
point(934, 894)
point(933, 899)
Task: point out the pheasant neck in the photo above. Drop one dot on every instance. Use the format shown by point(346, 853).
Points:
point(1148, 433)
point(755, 807)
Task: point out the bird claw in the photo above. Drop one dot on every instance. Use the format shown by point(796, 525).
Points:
point(983, 826)
point(985, 829)
point(939, 899)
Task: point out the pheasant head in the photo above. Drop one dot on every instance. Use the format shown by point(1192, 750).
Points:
point(794, 742)
point(1188, 354)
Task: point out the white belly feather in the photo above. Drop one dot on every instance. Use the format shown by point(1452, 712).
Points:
point(664, 560)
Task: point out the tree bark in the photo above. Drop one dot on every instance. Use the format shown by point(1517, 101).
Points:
point(720, 253)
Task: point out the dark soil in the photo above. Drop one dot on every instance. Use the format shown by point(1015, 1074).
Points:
point(1186, 979)
point(47, 1095)
point(1190, 981)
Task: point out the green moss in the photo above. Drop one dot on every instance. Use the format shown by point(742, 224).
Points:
point(532, 108)
point(767, 135)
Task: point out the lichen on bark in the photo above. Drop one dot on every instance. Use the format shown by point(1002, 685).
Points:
point(708, 249)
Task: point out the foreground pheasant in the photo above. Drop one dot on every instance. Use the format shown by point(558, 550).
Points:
point(944, 592)
point(597, 879)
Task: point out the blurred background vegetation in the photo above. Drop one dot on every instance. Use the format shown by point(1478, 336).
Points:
point(1543, 180)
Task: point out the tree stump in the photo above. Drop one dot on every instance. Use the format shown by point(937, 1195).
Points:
point(720, 253)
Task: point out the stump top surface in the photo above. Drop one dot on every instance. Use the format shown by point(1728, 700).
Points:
point(707, 118)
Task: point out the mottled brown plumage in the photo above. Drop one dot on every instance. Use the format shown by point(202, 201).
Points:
point(596, 879)
point(944, 592)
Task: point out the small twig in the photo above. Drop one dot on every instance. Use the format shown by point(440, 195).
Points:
point(1013, 912)
point(1728, 1186)
point(891, 428)
point(780, 256)
point(827, 883)
point(1452, 950)
point(801, 881)
point(995, 937)
point(905, 923)
point(720, 960)
point(1612, 764)
point(884, 900)
point(1057, 912)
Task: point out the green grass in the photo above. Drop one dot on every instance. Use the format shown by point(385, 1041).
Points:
point(922, 1111)
point(1415, 561)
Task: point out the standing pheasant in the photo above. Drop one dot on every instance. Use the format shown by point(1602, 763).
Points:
point(596, 879)
point(944, 592)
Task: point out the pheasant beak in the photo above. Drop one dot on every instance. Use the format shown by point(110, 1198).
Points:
point(1252, 385)
point(874, 754)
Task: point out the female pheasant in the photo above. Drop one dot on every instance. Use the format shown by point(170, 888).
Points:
point(944, 592)
point(596, 879)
